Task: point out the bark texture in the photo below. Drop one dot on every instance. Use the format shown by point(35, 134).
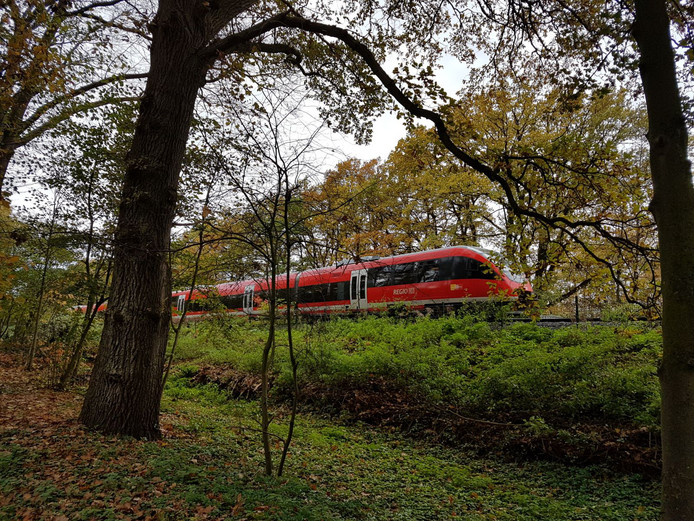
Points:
point(6, 155)
point(673, 208)
point(125, 388)
point(124, 391)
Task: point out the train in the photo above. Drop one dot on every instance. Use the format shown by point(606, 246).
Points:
point(428, 282)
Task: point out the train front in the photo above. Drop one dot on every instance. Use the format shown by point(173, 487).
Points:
point(508, 283)
point(518, 287)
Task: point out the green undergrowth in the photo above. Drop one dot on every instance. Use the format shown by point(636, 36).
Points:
point(209, 464)
point(522, 372)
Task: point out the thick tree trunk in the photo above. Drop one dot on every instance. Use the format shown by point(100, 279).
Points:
point(125, 388)
point(6, 155)
point(673, 207)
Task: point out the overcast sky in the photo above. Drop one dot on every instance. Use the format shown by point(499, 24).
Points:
point(388, 130)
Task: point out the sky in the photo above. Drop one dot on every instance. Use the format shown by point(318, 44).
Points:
point(388, 130)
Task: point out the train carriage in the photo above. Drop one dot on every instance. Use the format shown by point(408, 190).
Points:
point(438, 279)
point(434, 279)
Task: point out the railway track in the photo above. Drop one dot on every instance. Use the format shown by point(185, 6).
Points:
point(557, 321)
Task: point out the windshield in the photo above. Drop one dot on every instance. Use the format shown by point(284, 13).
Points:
point(497, 259)
point(515, 277)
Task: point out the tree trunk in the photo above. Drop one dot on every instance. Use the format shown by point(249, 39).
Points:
point(673, 208)
point(70, 370)
point(125, 388)
point(6, 155)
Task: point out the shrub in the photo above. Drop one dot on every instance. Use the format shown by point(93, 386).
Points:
point(575, 374)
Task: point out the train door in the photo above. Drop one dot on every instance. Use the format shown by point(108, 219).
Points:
point(248, 300)
point(357, 290)
point(181, 303)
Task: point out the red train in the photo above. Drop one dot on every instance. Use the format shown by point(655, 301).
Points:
point(433, 280)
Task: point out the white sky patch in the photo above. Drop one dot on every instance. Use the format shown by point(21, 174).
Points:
point(388, 129)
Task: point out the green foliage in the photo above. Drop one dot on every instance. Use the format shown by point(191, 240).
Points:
point(621, 313)
point(340, 472)
point(601, 374)
point(223, 340)
point(537, 426)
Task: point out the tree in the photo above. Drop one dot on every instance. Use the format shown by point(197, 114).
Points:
point(419, 198)
point(673, 208)
point(596, 40)
point(123, 394)
point(583, 34)
point(582, 158)
point(47, 255)
point(11, 236)
point(125, 387)
point(438, 202)
point(57, 59)
point(353, 216)
point(41, 287)
point(266, 167)
point(87, 169)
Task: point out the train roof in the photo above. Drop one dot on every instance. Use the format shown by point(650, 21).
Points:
point(428, 254)
point(372, 261)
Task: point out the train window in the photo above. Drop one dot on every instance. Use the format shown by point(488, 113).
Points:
point(446, 268)
point(404, 273)
point(202, 304)
point(481, 270)
point(322, 292)
point(465, 268)
point(342, 291)
point(305, 294)
point(379, 277)
point(232, 301)
point(445, 265)
point(326, 292)
point(429, 271)
point(459, 268)
point(373, 274)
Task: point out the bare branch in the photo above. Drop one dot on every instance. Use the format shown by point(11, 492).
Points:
point(66, 114)
point(94, 5)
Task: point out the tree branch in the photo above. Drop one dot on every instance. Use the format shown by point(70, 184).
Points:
point(43, 109)
point(120, 27)
point(94, 5)
point(66, 114)
point(231, 42)
point(493, 174)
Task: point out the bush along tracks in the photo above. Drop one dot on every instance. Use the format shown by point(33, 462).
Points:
point(577, 395)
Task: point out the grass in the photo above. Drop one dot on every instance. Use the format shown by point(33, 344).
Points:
point(209, 464)
point(355, 472)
